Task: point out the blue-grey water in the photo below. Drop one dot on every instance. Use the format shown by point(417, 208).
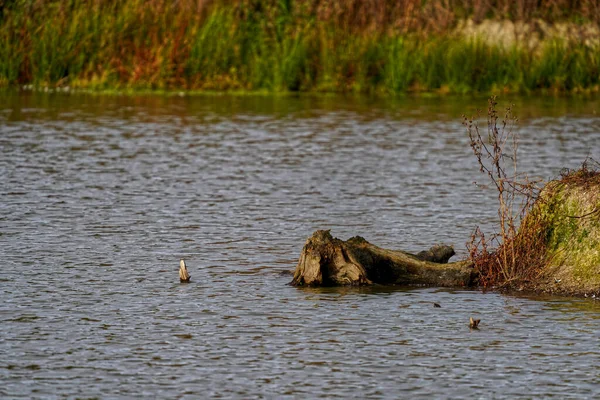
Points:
point(101, 196)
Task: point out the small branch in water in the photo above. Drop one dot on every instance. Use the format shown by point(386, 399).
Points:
point(183, 272)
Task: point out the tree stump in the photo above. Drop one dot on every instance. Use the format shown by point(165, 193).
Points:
point(327, 261)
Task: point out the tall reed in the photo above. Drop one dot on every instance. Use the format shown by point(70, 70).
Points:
point(380, 46)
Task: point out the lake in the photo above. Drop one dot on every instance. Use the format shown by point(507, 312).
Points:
point(101, 195)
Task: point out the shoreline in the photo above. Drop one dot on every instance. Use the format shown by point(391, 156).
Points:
point(183, 93)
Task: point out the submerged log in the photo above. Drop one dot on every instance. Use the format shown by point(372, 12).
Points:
point(327, 261)
point(474, 323)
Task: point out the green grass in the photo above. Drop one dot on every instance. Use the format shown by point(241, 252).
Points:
point(266, 45)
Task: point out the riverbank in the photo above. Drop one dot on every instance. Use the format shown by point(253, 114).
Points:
point(557, 242)
point(291, 46)
point(548, 234)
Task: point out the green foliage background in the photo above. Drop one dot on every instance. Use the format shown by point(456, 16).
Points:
point(380, 46)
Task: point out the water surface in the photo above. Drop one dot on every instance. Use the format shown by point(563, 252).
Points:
point(101, 196)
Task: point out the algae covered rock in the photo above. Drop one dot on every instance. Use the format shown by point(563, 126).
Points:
point(567, 214)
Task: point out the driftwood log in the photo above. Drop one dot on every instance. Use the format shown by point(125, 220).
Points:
point(327, 261)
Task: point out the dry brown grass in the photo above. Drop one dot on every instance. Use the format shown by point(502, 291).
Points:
point(513, 255)
point(441, 15)
point(376, 15)
point(588, 175)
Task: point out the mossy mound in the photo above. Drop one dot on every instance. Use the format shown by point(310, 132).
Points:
point(568, 213)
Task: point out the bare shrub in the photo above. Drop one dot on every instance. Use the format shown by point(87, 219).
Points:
point(512, 254)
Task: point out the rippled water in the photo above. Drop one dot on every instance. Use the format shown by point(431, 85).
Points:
point(101, 196)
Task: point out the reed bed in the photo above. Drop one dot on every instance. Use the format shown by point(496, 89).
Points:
point(378, 46)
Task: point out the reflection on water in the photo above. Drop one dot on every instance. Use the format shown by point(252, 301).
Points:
point(101, 196)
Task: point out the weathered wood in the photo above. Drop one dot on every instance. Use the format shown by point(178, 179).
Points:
point(438, 254)
point(183, 272)
point(327, 261)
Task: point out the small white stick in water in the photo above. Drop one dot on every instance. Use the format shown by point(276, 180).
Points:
point(183, 273)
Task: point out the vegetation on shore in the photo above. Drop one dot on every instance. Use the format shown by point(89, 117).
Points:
point(378, 46)
point(569, 210)
point(548, 238)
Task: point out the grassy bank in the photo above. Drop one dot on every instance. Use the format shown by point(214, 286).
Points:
point(548, 235)
point(358, 46)
point(555, 248)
